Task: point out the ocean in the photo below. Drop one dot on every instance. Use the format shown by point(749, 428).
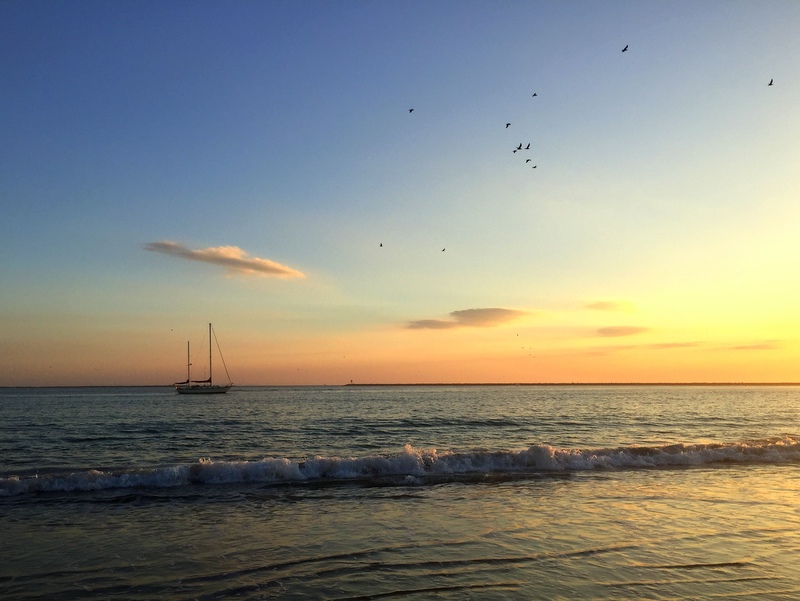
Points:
point(401, 492)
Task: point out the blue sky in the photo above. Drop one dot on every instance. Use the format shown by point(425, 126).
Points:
point(666, 181)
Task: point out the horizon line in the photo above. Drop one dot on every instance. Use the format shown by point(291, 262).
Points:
point(398, 384)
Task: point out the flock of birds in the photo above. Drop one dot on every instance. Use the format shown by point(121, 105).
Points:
point(519, 147)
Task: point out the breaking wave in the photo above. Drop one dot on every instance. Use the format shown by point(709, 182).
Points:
point(414, 466)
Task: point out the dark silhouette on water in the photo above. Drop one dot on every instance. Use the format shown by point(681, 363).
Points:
point(203, 386)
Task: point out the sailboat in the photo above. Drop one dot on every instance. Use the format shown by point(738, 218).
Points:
point(202, 386)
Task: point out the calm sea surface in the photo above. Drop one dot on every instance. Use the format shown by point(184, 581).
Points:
point(441, 492)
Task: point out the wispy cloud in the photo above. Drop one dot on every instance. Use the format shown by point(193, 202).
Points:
point(610, 306)
point(620, 348)
point(761, 346)
point(621, 331)
point(475, 318)
point(433, 324)
point(232, 258)
point(671, 345)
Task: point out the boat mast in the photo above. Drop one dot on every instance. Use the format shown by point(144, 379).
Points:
point(188, 365)
point(209, 355)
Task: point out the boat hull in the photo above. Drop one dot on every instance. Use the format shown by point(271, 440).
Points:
point(213, 389)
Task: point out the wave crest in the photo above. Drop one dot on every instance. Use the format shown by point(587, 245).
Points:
point(414, 465)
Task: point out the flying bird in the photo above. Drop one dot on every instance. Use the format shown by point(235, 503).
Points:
point(381, 244)
point(528, 147)
point(534, 95)
point(442, 250)
point(507, 124)
point(770, 82)
point(528, 161)
point(410, 110)
point(534, 167)
point(625, 49)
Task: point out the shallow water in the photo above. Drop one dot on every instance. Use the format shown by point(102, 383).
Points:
point(338, 493)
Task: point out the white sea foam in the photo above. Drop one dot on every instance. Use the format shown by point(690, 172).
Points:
point(413, 465)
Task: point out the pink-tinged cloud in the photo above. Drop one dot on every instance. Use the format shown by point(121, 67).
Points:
point(433, 324)
point(621, 331)
point(610, 306)
point(232, 258)
point(609, 349)
point(671, 345)
point(764, 346)
point(469, 318)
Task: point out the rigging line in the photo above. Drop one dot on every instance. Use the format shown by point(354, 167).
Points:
point(219, 350)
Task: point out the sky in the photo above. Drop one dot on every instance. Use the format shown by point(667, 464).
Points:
point(400, 192)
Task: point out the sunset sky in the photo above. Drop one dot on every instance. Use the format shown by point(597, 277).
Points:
point(257, 165)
